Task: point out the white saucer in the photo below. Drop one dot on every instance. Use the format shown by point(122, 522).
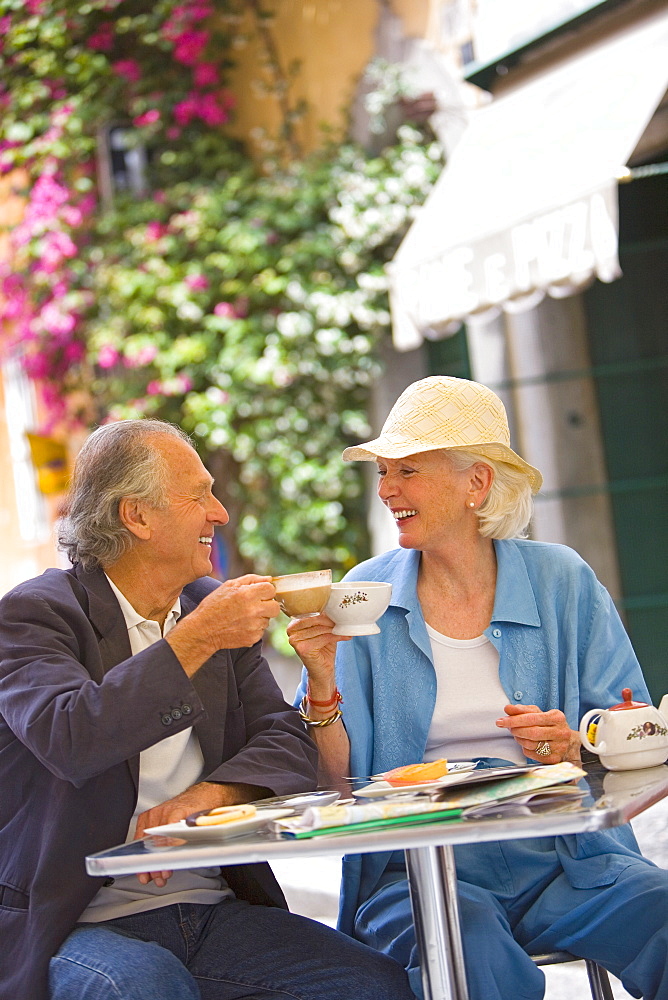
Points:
point(379, 789)
point(222, 832)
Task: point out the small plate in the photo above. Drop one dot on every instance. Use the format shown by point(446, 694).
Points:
point(222, 832)
point(379, 789)
point(298, 801)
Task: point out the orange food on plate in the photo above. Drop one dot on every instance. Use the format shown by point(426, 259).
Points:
point(412, 774)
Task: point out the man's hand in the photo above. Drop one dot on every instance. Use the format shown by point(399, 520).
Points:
point(235, 614)
point(531, 727)
point(205, 795)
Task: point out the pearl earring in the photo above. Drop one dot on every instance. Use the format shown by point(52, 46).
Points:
point(471, 503)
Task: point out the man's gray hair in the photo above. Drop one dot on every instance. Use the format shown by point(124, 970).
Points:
point(117, 460)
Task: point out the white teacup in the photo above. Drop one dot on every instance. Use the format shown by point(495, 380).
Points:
point(356, 606)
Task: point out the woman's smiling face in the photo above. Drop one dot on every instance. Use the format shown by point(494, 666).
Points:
point(426, 496)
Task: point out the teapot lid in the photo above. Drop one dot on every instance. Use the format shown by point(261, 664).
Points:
point(627, 695)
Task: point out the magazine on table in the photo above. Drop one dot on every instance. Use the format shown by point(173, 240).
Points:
point(489, 792)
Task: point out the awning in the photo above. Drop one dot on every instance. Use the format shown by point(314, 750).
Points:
point(527, 203)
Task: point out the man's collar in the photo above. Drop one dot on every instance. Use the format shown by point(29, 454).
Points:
point(132, 617)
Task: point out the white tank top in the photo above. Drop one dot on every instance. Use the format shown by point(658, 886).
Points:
point(469, 699)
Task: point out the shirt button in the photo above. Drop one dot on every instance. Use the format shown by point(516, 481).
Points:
point(176, 714)
point(186, 709)
point(496, 633)
point(166, 719)
point(517, 695)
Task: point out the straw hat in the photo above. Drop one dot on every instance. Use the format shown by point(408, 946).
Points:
point(445, 412)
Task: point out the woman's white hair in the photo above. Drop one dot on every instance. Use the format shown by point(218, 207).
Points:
point(508, 507)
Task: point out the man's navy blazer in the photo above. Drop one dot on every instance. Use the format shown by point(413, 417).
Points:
point(76, 710)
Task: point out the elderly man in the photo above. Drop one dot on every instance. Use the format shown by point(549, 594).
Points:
point(132, 693)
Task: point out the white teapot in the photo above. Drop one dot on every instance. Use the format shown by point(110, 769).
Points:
point(629, 735)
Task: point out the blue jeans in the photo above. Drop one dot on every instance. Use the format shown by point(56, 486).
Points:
point(229, 951)
point(622, 926)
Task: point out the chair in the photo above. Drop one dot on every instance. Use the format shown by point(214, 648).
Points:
point(598, 977)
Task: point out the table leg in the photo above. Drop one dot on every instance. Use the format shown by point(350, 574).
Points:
point(432, 879)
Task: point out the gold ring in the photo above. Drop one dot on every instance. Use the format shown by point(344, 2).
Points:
point(543, 749)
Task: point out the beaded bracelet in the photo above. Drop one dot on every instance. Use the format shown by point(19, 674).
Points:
point(317, 723)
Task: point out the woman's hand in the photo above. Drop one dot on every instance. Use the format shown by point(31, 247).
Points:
point(533, 729)
point(313, 642)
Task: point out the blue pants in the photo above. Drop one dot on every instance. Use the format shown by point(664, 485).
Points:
point(623, 925)
point(230, 951)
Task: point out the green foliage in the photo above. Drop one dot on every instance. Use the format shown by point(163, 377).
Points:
point(247, 305)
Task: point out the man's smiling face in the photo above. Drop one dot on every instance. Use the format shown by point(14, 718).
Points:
point(179, 546)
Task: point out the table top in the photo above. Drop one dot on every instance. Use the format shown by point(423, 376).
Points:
point(614, 797)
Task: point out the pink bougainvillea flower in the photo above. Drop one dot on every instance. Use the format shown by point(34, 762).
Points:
point(224, 309)
point(74, 351)
point(53, 399)
point(173, 132)
point(129, 68)
point(103, 38)
point(148, 118)
point(155, 231)
point(46, 201)
point(210, 111)
point(176, 386)
point(107, 356)
point(198, 11)
point(56, 89)
point(72, 215)
point(37, 366)
point(59, 116)
point(144, 356)
point(55, 321)
point(184, 15)
point(189, 45)
point(204, 106)
point(34, 6)
point(181, 383)
point(197, 282)
point(206, 75)
point(14, 305)
point(184, 111)
point(55, 249)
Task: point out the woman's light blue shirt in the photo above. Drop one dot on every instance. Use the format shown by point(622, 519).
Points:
point(561, 644)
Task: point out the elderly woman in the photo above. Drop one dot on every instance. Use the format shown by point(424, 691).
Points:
point(493, 647)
